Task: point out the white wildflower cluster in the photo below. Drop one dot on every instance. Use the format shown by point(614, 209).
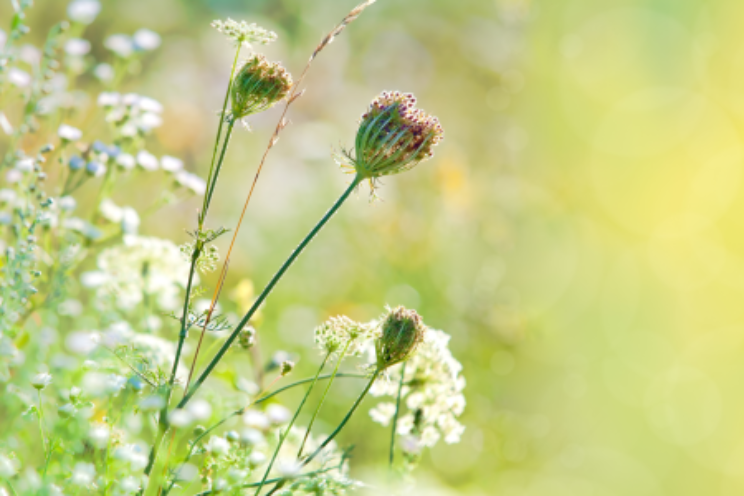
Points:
point(126, 217)
point(244, 33)
point(132, 115)
point(125, 46)
point(83, 11)
point(432, 395)
point(141, 267)
point(343, 336)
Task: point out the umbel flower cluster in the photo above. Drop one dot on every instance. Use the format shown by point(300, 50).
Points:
point(102, 321)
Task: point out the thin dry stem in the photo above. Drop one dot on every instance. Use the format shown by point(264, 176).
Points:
point(283, 122)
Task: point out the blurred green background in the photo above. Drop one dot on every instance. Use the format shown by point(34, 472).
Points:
point(578, 233)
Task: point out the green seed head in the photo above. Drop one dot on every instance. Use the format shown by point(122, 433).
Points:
point(247, 337)
point(258, 85)
point(393, 137)
point(402, 331)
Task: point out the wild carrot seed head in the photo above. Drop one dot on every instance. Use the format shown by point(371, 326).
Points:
point(393, 136)
point(402, 331)
point(259, 85)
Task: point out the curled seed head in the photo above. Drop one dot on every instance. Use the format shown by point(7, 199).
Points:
point(259, 85)
point(402, 331)
point(393, 136)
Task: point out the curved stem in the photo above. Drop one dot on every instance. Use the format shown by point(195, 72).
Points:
point(265, 293)
point(397, 412)
point(291, 423)
point(322, 400)
point(345, 420)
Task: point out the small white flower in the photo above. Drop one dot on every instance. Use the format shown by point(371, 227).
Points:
point(146, 40)
point(187, 472)
point(25, 165)
point(278, 414)
point(69, 133)
point(288, 468)
point(217, 445)
point(121, 44)
point(147, 161)
point(200, 409)
point(82, 342)
point(252, 437)
point(18, 77)
point(110, 211)
point(104, 72)
point(170, 164)
point(67, 203)
point(40, 381)
point(83, 474)
point(129, 485)
point(77, 47)
point(30, 54)
point(180, 418)
point(256, 419)
point(99, 435)
point(125, 161)
point(130, 220)
point(256, 459)
point(83, 11)
point(147, 104)
point(109, 99)
point(191, 181)
point(382, 413)
point(7, 195)
point(7, 467)
point(95, 169)
point(148, 121)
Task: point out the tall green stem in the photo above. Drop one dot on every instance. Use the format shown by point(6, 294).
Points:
point(291, 423)
point(211, 187)
point(163, 418)
point(345, 420)
point(41, 421)
point(397, 412)
point(265, 293)
point(322, 399)
point(205, 206)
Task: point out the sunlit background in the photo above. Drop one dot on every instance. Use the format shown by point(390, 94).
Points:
point(579, 232)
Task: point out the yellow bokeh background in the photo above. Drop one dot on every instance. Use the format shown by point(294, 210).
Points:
point(580, 232)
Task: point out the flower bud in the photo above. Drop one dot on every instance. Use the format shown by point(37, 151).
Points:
point(247, 337)
point(258, 85)
point(286, 367)
point(41, 381)
point(393, 137)
point(402, 331)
